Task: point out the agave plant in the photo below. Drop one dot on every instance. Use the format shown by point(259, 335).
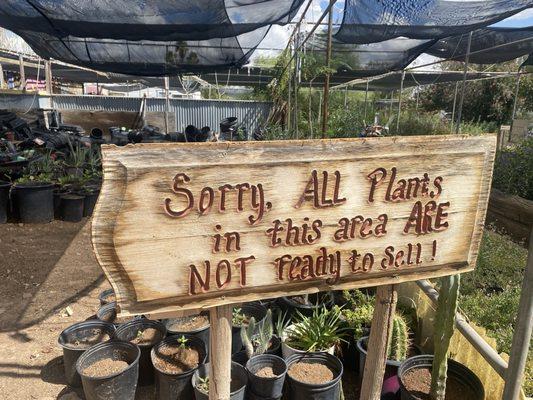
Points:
point(317, 332)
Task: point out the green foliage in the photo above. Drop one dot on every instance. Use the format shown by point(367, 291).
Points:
point(256, 344)
point(317, 332)
point(359, 319)
point(282, 322)
point(513, 170)
point(203, 385)
point(444, 326)
point(182, 341)
point(77, 156)
point(239, 318)
point(398, 342)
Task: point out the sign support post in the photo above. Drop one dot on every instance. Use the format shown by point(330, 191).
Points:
point(220, 353)
point(386, 298)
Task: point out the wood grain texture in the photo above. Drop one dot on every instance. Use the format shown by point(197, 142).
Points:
point(386, 299)
point(220, 351)
point(147, 254)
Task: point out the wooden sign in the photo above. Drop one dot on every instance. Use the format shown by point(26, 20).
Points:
point(183, 226)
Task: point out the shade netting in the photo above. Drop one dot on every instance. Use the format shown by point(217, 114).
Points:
point(368, 21)
point(155, 20)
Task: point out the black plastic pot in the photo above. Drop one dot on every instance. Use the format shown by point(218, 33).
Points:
point(119, 386)
point(391, 382)
point(316, 300)
point(307, 391)
point(4, 200)
point(456, 371)
point(71, 208)
point(266, 388)
point(256, 310)
point(239, 379)
point(202, 333)
point(58, 192)
point(34, 202)
point(240, 357)
point(71, 352)
point(128, 331)
point(90, 202)
point(176, 386)
point(104, 294)
point(108, 313)
point(275, 346)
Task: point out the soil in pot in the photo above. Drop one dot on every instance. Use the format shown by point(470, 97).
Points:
point(418, 383)
point(188, 324)
point(176, 359)
point(312, 373)
point(105, 367)
point(149, 336)
point(266, 372)
point(93, 337)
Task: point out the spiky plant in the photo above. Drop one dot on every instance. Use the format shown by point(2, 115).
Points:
point(257, 343)
point(398, 343)
point(444, 324)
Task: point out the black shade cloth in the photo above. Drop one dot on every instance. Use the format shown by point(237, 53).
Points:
point(147, 58)
point(156, 20)
point(369, 21)
point(362, 60)
point(517, 42)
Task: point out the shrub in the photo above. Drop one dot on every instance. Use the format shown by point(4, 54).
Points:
point(513, 170)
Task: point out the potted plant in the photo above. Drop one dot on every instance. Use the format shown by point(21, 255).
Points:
point(256, 339)
point(77, 338)
point(146, 334)
point(320, 332)
point(33, 198)
point(266, 372)
point(75, 160)
point(314, 376)
point(194, 325)
point(175, 360)
point(305, 304)
point(109, 371)
point(241, 317)
point(239, 380)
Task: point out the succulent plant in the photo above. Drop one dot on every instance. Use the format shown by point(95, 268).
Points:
point(257, 343)
point(398, 343)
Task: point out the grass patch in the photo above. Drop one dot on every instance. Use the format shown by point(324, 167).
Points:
point(490, 294)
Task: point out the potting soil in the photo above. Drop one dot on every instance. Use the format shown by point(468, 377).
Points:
point(105, 367)
point(418, 382)
point(147, 336)
point(265, 372)
point(96, 336)
point(175, 359)
point(188, 324)
point(313, 373)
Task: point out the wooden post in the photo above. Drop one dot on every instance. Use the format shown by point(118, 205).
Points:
point(22, 73)
point(167, 88)
point(220, 353)
point(386, 297)
point(522, 333)
point(326, 82)
point(2, 82)
point(400, 103)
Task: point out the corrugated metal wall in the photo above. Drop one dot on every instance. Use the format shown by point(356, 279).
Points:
point(188, 111)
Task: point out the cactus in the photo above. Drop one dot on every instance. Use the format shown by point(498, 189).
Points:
point(256, 344)
point(398, 343)
point(444, 324)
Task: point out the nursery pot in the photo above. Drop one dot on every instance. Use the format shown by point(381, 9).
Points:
point(299, 390)
point(256, 310)
point(169, 385)
point(80, 332)
point(89, 202)
point(391, 383)
point(71, 208)
point(128, 332)
point(4, 200)
point(104, 294)
point(108, 313)
point(34, 202)
point(202, 333)
point(456, 372)
point(239, 379)
point(240, 357)
point(287, 351)
point(291, 306)
point(263, 387)
point(117, 386)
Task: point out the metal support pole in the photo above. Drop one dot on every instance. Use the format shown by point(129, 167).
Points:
point(22, 73)
point(516, 95)
point(48, 76)
point(400, 104)
point(346, 98)
point(522, 332)
point(391, 101)
point(454, 103)
point(366, 98)
point(326, 82)
point(167, 86)
point(417, 96)
point(2, 81)
point(296, 69)
point(463, 88)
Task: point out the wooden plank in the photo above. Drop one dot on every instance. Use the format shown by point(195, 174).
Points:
point(386, 299)
point(522, 333)
point(287, 204)
point(220, 353)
